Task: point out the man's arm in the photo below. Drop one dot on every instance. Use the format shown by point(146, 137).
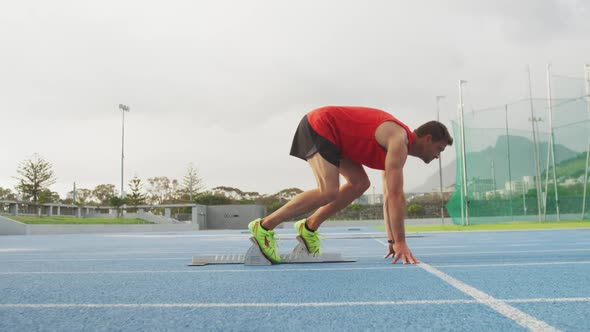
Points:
point(390, 251)
point(397, 153)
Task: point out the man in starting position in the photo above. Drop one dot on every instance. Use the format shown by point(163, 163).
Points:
point(339, 140)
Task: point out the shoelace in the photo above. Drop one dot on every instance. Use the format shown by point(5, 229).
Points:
point(314, 241)
point(273, 242)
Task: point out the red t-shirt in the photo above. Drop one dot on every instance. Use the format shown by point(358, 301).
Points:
point(352, 130)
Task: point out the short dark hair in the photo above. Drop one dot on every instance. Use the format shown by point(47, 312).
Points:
point(438, 131)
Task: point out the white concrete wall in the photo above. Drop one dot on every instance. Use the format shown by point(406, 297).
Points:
point(204, 217)
point(12, 227)
point(147, 216)
point(233, 216)
point(102, 228)
point(151, 218)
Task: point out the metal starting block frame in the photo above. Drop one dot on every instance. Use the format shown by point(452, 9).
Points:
point(254, 256)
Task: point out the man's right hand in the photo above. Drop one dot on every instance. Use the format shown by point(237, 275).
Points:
point(390, 252)
point(402, 251)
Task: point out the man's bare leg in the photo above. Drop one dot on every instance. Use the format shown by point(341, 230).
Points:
point(327, 177)
point(357, 182)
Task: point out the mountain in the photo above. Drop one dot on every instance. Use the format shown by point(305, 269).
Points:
point(432, 183)
point(492, 162)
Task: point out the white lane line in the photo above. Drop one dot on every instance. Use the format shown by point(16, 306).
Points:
point(284, 304)
point(356, 256)
point(512, 264)
point(247, 235)
point(206, 270)
point(523, 319)
point(189, 252)
point(13, 250)
point(545, 300)
point(468, 246)
point(200, 270)
point(94, 259)
point(9, 252)
point(521, 245)
point(381, 242)
point(111, 253)
point(503, 252)
point(227, 305)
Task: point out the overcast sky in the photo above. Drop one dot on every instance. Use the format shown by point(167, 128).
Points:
point(223, 84)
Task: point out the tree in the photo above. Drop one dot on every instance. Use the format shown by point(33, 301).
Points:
point(250, 197)
point(276, 201)
point(80, 196)
point(104, 192)
point(117, 202)
point(414, 210)
point(274, 205)
point(162, 190)
point(34, 175)
point(191, 182)
point(229, 192)
point(212, 199)
point(355, 207)
point(136, 197)
point(83, 196)
point(288, 194)
point(48, 196)
point(7, 194)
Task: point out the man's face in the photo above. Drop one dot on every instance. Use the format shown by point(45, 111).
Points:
point(432, 149)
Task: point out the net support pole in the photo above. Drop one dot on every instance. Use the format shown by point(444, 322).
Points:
point(552, 138)
point(464, 193)
point(587, 79)
point(547, 167)
point(442, 201)
point(535, 149)
point(509, 165)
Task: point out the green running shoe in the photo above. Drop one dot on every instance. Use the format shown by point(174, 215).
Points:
point(312, 239)
point(266, 241)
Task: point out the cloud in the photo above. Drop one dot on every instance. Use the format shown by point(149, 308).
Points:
point(529, 21)
point(238, 75)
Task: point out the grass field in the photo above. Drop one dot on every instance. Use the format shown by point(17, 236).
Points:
point(497, 227)
point(78, 221)
point(409, 228)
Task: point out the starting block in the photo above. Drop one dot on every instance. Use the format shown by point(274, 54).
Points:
point(254, 256)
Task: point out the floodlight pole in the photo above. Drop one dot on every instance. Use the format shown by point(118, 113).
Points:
point(552, 138)
point(123, 108)
point(463, 154)
point(587, 79)
point(442, 201)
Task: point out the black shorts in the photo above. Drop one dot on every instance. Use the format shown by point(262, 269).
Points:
point(307, 142)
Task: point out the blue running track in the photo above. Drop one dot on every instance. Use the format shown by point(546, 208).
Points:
point(470, 281)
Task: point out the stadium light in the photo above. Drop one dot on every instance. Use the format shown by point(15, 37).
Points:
point(123, 108)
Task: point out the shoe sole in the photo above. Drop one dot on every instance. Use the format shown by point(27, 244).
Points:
point(263, 254)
